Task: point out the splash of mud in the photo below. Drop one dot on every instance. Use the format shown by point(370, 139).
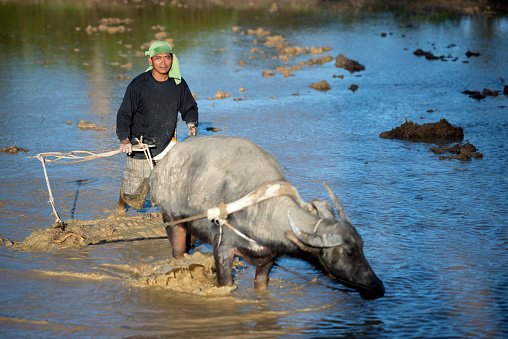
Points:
point(195, 273)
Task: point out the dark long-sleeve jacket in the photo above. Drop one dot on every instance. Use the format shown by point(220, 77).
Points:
point(150, 109)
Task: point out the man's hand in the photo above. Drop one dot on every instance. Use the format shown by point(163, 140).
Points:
point(193, 130)
point(126, 146)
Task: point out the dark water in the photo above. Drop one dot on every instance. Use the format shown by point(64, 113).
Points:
point(435, 231)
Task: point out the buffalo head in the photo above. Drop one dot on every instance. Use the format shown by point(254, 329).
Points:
point(339, 249)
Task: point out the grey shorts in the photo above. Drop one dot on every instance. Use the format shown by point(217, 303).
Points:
point(136, 182)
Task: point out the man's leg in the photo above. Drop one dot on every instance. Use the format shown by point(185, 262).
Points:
point(120, 206)
point(135, 185)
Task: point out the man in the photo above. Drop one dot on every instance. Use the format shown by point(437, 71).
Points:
point(149, 112)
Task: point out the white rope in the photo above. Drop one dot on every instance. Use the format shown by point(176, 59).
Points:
point(80, 156)
point(58, 220)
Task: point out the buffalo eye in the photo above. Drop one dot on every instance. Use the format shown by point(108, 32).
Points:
point(351, 252)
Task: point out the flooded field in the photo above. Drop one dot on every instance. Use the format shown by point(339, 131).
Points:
point(316, 87)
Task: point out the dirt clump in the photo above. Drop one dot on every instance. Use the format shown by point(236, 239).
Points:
point(483, 94)
point(13, 149)
point(317, 61)
point(470, 54)
point(268, 73)
point(321, 86)
point(353, 88)
point(460, 152)
point(351, 65)
point(427, 55)
point(84, 125)
point(412, 131)
point(222, 95)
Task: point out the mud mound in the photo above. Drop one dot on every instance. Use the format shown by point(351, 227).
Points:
point(79, 233)
point(441, 131)
point(430, 131)
point(321, 86)
point(460, 152)
point(351, 65)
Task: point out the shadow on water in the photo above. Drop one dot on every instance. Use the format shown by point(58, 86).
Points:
point(435, 231)
point(80, 182)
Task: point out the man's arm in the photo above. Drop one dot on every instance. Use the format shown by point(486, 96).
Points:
point(124, 120)
point(189, 108)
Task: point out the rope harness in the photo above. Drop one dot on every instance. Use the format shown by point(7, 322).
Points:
point(220, 213)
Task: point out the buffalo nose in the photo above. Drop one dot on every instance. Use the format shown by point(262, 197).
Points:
point(374, 292)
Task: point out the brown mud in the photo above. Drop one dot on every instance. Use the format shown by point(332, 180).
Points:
point(13, 149)
point(438, 132)
point(460, 152)
point(80, 233)
point(321, 86)
point(195, 273)
point(485, 93)
point(84, 125)
point(351, 65)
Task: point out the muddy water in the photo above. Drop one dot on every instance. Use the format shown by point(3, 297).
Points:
point(435, 232)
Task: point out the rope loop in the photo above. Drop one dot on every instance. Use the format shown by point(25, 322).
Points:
point(223, 211)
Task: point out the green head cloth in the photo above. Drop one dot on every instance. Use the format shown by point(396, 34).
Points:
point(164, 47)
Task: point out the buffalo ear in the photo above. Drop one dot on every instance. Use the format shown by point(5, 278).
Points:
point(306, 248)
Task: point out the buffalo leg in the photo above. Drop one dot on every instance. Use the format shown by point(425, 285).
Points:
point(223, 263)
point(261, 278)
point(177, 236)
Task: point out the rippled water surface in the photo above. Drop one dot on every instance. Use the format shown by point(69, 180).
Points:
point(435, 231)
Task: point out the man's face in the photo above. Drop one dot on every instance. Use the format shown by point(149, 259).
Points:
point(161, 62)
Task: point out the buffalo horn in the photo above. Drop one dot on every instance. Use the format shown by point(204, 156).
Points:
point(315, 240)
point(342, 213)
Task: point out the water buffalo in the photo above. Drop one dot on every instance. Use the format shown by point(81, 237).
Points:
point(202, 172)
